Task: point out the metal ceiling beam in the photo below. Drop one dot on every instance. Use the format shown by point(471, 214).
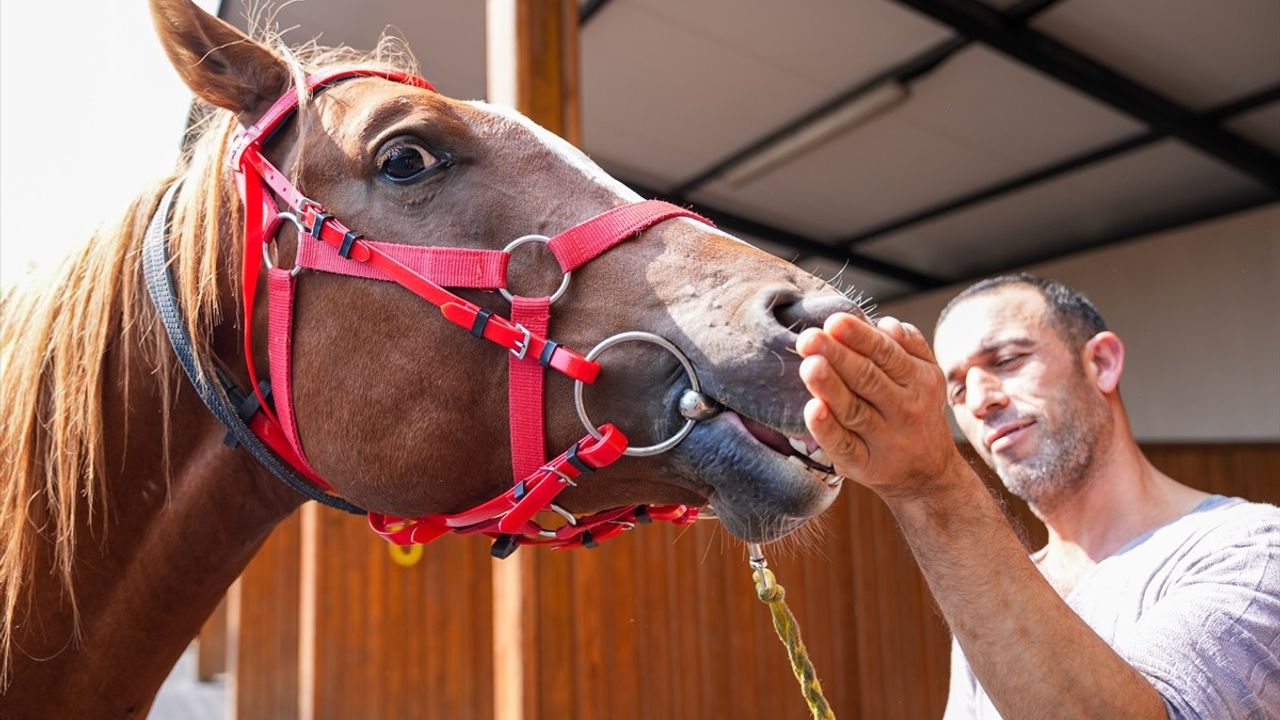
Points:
point(1057, 169)
point(904, 72)
point(976, 20)
point(1182, 219)
point(589, 10)
point(805, 245)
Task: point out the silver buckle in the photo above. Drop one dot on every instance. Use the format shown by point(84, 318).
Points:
point(522, 345)
point(563, 478)
point(273, 229)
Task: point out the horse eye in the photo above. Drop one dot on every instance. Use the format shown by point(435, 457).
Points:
point(405, 163)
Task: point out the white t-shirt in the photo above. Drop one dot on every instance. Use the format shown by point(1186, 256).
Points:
point(1193, 605)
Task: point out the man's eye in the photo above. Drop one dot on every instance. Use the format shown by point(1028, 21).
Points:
point(956, 394)
point(408, 162)
point(1008, 360)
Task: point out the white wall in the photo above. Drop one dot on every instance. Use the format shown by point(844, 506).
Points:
point(1199, 311)
point(90, 112)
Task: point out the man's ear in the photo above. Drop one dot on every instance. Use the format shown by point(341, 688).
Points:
point(220, 64)
point(1103, 358)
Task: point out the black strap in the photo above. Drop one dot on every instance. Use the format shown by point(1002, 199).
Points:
point(155, 264)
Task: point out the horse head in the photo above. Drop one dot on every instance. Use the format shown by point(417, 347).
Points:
point(404, 414)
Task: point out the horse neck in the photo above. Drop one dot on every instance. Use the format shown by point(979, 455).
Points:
point(181, 520)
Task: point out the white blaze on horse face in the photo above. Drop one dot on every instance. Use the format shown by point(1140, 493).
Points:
point(574, 157)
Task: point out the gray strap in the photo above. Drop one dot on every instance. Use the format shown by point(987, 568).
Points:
point(155, 264)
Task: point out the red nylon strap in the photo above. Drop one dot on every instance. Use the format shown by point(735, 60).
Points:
point(585, 241)
point(507, 513)
point(273, 437)
point(255, 234)
point(456, 310)
point(424, 271)
point(288, 102)
point(528, 437)
point(447, 267)
point(280, 287)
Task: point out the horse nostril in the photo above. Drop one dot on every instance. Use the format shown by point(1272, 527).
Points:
point(797, 312)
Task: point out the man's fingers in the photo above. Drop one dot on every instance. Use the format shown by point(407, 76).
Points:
point(866, 340)
point(858, 374)
point(847, 450)
point(909, 337)
point(840, 394)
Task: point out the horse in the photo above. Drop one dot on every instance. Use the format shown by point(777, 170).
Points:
point(125, 512)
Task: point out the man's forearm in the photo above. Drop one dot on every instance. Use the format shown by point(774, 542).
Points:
point(1033, 655)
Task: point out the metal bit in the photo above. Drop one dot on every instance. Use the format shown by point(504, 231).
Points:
point(697, 406)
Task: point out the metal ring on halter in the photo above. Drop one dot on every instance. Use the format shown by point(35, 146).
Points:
point(271, 233)
point(564, 283)
point(639, 336)
point(568, 516)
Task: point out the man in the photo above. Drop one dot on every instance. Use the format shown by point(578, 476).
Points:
point(1172, 597)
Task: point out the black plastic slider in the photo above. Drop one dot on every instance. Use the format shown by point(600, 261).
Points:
point(503, 546)
point(348, 241)
point(481, 322)
point(519, 490)
point(246, 404)
point(588, 541)
point(574, 460)
point(642, 515)
point(547, 351)
point(318, 226)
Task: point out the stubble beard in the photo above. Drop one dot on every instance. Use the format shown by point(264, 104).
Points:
point(1062, 464)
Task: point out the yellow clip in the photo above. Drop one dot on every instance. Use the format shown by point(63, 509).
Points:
point(405, 556)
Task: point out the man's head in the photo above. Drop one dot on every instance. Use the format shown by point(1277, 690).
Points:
point(1032, 375)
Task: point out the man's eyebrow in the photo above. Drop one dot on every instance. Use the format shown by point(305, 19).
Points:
point(991, 347)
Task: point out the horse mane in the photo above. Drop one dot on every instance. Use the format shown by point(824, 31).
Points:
point(61, 339)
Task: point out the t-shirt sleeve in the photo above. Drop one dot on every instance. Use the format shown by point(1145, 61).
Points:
point(962, 693)
point(1211, 644)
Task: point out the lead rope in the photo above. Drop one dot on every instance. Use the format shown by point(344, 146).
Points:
point(773, 594)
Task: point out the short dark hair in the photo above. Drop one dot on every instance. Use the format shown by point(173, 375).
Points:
point(1070, 313)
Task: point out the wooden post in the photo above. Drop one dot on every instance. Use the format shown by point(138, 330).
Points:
point(211, 658)
point(532, 53)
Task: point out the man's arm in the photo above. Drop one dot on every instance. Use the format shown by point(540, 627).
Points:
point(878, 411)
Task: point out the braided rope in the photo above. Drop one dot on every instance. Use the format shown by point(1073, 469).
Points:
point(773, 594)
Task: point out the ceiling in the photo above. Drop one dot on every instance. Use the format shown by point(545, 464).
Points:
point(991, 134)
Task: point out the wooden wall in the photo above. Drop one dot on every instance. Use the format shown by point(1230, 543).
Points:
point(662, 623)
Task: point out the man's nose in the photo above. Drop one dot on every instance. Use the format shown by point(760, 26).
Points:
point(983, 393)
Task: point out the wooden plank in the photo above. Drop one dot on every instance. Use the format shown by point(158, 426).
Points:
point(386, 640)
point(532, 64)
point(262, 619)
point(211, 649)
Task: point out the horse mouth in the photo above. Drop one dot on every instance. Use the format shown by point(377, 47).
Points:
point(804, 448)
point(762, 480)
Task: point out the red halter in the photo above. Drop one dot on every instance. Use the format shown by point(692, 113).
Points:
point(326, 244)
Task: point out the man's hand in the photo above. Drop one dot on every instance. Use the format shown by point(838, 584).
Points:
point(878, 403)
point(878, 412)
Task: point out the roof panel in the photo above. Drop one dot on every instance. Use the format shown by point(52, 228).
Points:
point(1261, 126)
point(978, 119)
point(706, 84)
point(1195, 52)
point(849, 280)
point(448, 38)
point(1116, 198)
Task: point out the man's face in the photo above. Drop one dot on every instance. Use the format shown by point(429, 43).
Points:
point(1020, 395)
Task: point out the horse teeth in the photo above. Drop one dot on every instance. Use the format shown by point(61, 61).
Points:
point(798, 446)
point(820, 456)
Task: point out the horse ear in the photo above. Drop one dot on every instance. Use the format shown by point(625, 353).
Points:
point(219, 63)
